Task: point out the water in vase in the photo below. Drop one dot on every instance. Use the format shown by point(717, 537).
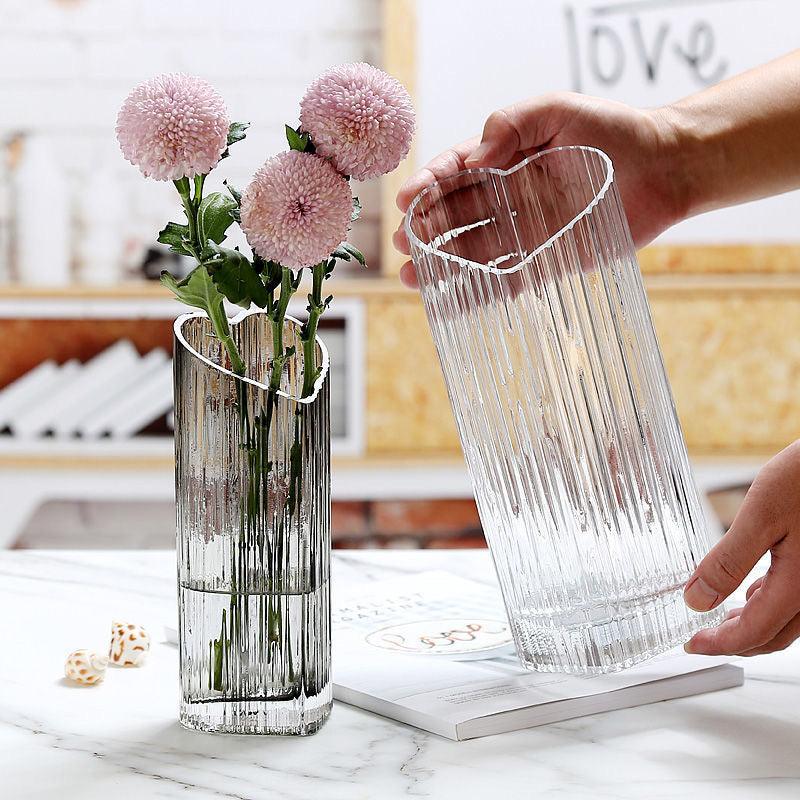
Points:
point(249, 656)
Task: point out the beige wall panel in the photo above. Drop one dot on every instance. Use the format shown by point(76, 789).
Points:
point(732, 353)
point(720, 259)
point(407, 407)
point(733, 357)
point(399, 59)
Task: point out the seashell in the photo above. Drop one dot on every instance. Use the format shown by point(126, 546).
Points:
point(129, 644)
point(86, 667)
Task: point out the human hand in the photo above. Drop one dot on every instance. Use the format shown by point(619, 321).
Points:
point(640, 144)
point(768, 521)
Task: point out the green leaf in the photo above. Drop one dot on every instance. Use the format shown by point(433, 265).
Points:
point(236, 132)
point(235, 193)
point(297, 140)
point(272, 275)
point(345, 251)
point(294, 139)
point(197, 289)
point(177, 237)
point(214, 216)
point(235, 277)
point(355, 252)
point(168, 280)
point(356, 213)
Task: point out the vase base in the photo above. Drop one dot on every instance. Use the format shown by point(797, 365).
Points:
point(300, 717)
point(646, 628)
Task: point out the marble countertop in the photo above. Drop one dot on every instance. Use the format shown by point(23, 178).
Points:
point(122, 740)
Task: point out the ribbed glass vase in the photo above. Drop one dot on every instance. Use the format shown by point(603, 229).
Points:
point(253, 516)
point(534, 297)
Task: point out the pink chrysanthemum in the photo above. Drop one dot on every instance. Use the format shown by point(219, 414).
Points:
point(296, 210)
point(359, 117)
point(172, 126)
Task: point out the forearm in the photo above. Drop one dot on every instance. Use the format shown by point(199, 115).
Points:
point(739, 140)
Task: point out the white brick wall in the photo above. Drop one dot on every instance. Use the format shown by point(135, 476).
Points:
point(66, 66)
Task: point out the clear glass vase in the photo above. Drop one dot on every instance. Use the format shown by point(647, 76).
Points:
point(534, 297)
point(253, 518)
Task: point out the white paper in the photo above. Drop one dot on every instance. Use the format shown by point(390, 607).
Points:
point(458, 691)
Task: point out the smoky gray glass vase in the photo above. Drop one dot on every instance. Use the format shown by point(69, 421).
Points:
point(533, 293)
point(252, 481)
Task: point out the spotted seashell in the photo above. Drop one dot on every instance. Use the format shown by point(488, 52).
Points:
point(85, 667)
point(129, 644)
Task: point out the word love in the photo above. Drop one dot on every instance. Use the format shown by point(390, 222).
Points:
point(621, 49)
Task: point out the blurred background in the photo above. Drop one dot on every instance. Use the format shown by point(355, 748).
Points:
point(86, 330)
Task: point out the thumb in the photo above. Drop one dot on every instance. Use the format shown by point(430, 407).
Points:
point(728, 563)
point(519, 128)
point(499, 142)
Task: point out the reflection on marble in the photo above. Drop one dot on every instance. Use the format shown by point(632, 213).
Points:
point(121, 739)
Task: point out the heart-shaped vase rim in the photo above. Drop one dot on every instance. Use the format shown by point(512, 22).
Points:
point(415, 241)
point(324, 367)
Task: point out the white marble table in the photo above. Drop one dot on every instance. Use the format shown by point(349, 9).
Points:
point(121, 739)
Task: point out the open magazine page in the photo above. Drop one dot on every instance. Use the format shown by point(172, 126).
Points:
point(377, 653)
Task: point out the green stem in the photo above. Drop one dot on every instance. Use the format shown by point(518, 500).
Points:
point(184, 190)
point(222, 329)
point(278, 319)
point(215, 311)
point(309, 332)
point(218, 649)
point(199, 180)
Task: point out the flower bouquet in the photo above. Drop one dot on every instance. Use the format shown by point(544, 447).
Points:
point(252, 431)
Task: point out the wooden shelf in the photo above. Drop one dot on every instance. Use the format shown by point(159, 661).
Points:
point(86, 466)
point(146, 452)
point(144, 290)
point(390, 286)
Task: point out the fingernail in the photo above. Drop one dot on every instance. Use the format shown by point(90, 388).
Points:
point(699, 596)
point(688, 647)
point(478, 154)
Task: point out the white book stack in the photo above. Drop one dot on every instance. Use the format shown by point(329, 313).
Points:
point(39, 382)
point(45, 415)
point(115, 394)
point(29, 401)
point(107, 408)
point(148, 399)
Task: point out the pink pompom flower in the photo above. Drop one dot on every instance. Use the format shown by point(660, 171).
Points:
point(173, 126)
point(360, 118)
point(296, 210)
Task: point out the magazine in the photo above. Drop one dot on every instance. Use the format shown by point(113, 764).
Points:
point(434, 650)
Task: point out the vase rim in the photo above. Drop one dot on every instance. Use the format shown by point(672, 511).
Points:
point(525, 262)
point(324, 366)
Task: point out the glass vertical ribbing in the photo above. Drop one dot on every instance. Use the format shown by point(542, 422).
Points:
point(535, 301)
point(253, 517)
